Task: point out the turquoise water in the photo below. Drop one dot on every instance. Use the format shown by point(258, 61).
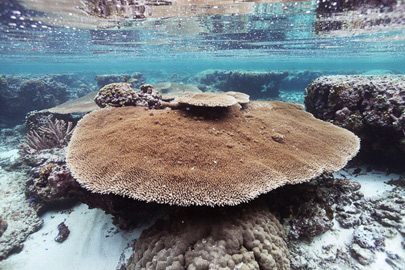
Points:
point(52, 51)
point(180, 36)
point(176, 40)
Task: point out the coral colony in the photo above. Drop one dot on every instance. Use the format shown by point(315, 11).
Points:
point(214, 154)
point(195, 154)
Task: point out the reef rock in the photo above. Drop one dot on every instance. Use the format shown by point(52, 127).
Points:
point(122, 94)
point(24, 93)
point(247, 237)
point(311, 220)
point(55, 182)
point(298, 80)
point(308, 210)
point(364, 256)
point(373, 107)
point(136, 79)
point(3, 226)
point(256, 84)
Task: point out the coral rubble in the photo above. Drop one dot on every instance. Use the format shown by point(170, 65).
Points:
point(312, 209)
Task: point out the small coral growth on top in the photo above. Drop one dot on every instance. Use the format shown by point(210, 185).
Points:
point(122, 94)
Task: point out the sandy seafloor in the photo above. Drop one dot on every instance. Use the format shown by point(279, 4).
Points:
point(93, 243)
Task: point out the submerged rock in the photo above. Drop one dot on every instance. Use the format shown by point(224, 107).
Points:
point(373, 107)
point(63, 233)
point(364, 256)
point(256, 84)
point(3, 226)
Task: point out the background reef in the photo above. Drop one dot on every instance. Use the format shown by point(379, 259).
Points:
point(20, 94)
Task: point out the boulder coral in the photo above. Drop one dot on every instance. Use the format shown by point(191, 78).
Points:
point(174, 157)
point(116, 95)
point(248, 237)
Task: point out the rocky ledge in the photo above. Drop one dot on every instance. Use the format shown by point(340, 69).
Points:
point(373, 107)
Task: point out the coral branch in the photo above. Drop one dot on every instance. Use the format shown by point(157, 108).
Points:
point(55, 134)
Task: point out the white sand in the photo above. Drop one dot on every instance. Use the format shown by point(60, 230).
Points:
point(372, 183)
point(11, 155)
point(87, 246)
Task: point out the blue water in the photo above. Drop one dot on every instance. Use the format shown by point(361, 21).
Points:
point(179, 39)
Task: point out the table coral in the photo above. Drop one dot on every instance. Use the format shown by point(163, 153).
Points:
point(174, 157)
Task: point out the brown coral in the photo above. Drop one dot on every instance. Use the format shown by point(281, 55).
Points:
point(171, 156)
point(248, 237)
